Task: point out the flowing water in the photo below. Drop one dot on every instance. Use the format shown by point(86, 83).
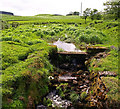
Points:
point(69, 47)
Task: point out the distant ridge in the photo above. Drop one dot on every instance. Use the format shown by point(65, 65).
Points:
point(8, 13)
point(48, 15)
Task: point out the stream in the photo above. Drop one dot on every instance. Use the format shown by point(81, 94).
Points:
point(74, 80)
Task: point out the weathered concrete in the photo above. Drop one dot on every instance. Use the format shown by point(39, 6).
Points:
point(72, 53)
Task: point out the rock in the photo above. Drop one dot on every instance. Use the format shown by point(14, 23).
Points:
point(66, 78)
point(57, 101)
point(51, 77)
point(79, 66)
point(41, 107)
point(21, 98)
point(87, 77)
point(102, 90)
point(74, 74)
point(83, 75)
point(87, 81)
point(79, 72)
point(86, 72)
point(80, 83)
point(113, 47)
point(83, 80)
point(84, 86)
point(79, 78)
point(105, 73)
point(84, 90)
point(75, 82)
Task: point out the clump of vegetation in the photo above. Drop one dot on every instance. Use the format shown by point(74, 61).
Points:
point(20, 80)
point(4, 25)
point(74, 97)
point(47, 102)
point(83, 95)
point(60, 50)
point(113, 88)
point(62, 88)
point(109, 63)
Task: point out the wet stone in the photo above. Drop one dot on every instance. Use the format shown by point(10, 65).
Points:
point(84, 86)
point(84, 90)
point(75, 82)
point(80, 83)
point(86, 72)
point(79, 72)
point(87, 81)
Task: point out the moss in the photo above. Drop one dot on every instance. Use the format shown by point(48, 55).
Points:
point(74, 97)
point(83, 95)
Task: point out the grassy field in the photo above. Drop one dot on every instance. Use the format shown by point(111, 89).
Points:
point(25, 52)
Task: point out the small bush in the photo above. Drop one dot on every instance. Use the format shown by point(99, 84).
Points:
point(95, 39)
point(52, 33)
point(15, 24)
point(84, 39)
point(7, 38)
point(30, 43)
point(16, 40)
point(47, 102)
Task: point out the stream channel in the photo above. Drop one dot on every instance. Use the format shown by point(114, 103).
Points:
point(71, 82)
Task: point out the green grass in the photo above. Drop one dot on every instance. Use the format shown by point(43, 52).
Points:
point(109, 63)
point(113, 87)
point(42, 19)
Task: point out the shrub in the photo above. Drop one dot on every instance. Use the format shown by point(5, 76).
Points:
point(95, 39)
point(40, 34)
point(6, 38)
point(47, 102)
point(84, 39)
point(15, 24)
point(16, 40)
point(4, 25)
point(52, 33)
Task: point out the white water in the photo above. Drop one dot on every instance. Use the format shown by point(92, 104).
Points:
point(66, 46)
point(58, 101)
